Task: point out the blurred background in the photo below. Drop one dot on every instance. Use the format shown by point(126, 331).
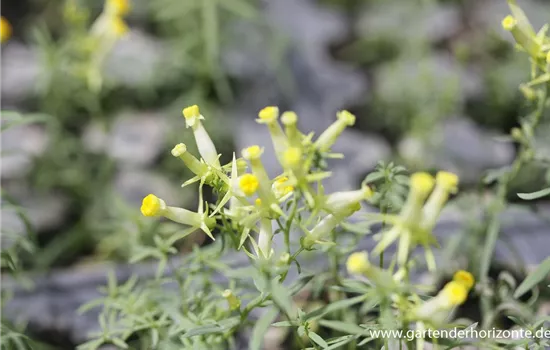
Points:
point(87, 127)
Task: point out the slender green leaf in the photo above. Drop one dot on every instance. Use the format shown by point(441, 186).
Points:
point(261, 328)
point(535, 277)
point(316, 338)
point(535, 195)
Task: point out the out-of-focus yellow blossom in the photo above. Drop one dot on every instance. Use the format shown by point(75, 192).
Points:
point(268, 115)
point(117, 7)
point(465, 278)
point(152, 206)
point(509, 22)
point(438, 308)
point(196, 166)
point(232, 300)
point(446, 183)
point(5, 29)
point(523, 34)
point(119, 26)
point(358, 263)
point(548, 57)
point(253, 155)
point(453, 294)
point(205, 145)
point(340, 203)
point(248, 183)
point(407, 225)
point(329, 136)
point(320, 231)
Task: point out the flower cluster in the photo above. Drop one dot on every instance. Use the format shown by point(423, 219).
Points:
point(252, 200)
point(414, 224)
point(535, 44)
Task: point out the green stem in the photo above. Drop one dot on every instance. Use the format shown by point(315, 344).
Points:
point(498, 207)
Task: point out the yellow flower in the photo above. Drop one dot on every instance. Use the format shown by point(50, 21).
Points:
point(422, 183)
point(253, 155)
point(196, 166)
point(358, 263)
point(206, 147)
point(248, 183)
point(232, 300)
point(447, 180)
point(152, 205)
point(281, 187)
point(453, 294)
point(268, 114)
point(289, 118)
point(5, 29)
point(446, 183)
point(440, 307)
point(252, 152)
point(191, 112)
point(117, 7)
point(329, 136)
point(118, 26)
point(509, 22)
point(465, 278)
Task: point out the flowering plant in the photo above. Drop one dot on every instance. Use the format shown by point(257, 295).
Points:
point(249, 282)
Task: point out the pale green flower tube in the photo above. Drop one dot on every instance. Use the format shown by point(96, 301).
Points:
point(329, 136)
point(205, 145)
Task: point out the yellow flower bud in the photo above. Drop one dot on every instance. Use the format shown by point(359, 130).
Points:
point(248, 183)
point(289, 118)
point(179, 149)
point(465, 278)
point(152, 205)
point(509, 22)
point(117, 7)
point(191, 112)
point(346, 117)
point(422, 183)
point(447, 180)
point(453, 294)
point(258, 202)
point(196, 166)
point(358, 263)
point(5, 29)
point(548, 57)
point(232, 300)
point(252, 152)
point(268, 114)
